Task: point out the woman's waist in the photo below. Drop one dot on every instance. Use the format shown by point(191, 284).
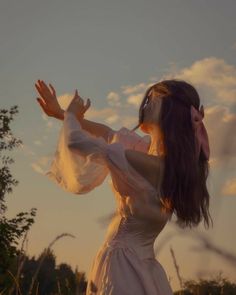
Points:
point(129, 232)
point(143, 249)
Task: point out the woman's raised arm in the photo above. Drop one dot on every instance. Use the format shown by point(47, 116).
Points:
point(97, 129)
point(50, 106)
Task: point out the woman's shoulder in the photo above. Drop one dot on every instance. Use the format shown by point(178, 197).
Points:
point(149, 166)
point(129, 139)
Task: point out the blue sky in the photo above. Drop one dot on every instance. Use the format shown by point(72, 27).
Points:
point(111, 51)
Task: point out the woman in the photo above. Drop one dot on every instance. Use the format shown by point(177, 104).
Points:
point(153, 176)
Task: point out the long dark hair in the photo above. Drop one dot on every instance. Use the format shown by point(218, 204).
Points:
point(184, 180)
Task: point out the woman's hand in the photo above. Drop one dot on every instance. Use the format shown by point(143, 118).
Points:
point(48, 100)
point(77, 106)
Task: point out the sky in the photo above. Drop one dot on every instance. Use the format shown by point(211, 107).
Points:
point(111, 51)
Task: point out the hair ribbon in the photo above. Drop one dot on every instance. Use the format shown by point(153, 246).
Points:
point(201, 136)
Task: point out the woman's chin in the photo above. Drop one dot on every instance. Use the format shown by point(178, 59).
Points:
point(144, 128)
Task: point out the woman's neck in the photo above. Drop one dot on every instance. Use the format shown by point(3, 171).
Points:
point(156, 147)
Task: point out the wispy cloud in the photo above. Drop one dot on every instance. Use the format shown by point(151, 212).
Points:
point(131, 89)
point(37, 142)
point(37, 168)
point(215, 77)
point(112, 119)
point(41, 164)
point(229, 187)
point(27, 150)
point(102, 113)
point(64, 100)
point(220, 123)
point(135, 100)
point(48, 120)
point(113, 99)
point(109, 115)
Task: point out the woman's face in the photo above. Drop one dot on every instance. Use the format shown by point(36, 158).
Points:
point(151, 112)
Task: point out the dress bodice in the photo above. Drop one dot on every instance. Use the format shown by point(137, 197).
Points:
point(134, 233)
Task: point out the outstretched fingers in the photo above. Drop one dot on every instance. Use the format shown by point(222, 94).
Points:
point(41, 103)
point(88, 103)
point(53, 89)
point(39, 89)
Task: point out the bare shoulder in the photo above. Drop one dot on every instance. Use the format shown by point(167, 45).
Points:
point(146, 165)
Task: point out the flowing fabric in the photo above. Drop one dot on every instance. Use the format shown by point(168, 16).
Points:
point(126, 258)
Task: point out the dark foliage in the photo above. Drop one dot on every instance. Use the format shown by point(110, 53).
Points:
point(11, 230)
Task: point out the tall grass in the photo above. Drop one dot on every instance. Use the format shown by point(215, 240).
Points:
point(176, 267)
point(21, 260)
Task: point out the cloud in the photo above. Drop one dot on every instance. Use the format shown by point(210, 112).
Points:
point(41, 165)
point(48, 120)
point(45, 117)
point(214, 76)
point(108, 114)
point(213, 161)
point(120, 115)
point(135, 100)
point(220, 124)
point(229, 188)
point(27, 150)
point(116, 112)
point(130, 89)
point(103, 113)
point(44, 160)
point(37, 168)
point(135, 93)
point(37, 142)
point(211, 75)
point(50, 124)
point(113, 99)
point(130, 121)
point(112, 119)
point(64, 100)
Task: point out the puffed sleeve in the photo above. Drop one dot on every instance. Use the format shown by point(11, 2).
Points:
point(80, 173)
point(76, 172)
point(82, 161)
point(130, 139)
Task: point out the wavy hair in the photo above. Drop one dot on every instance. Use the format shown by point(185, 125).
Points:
point(184, 179)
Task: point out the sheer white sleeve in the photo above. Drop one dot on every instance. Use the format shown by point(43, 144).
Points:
point(130, 139)
point(77, 172)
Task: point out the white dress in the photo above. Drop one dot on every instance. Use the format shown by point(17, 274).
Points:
point(125, 264)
